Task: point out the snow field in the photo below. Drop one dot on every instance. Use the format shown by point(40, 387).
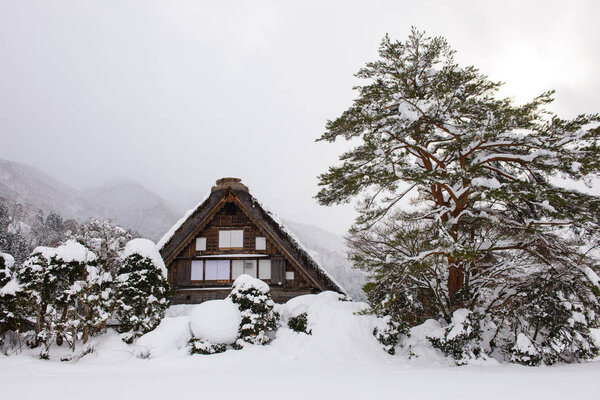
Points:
point(340, 360)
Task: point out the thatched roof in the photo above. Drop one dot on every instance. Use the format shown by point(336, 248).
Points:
point(231, 189)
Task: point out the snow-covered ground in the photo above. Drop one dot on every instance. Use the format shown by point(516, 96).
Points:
point(340, 360)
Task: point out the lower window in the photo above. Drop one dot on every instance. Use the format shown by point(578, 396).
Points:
point(217, 270)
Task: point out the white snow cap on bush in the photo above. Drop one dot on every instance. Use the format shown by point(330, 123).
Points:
point(145, 248)
point(12, 287)
point(245, 282)
point(217, 321)
point(68, 252)
point(9, 260)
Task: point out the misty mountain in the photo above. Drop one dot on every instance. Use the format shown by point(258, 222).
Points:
point(33, 189)
point(330, 251)
point(133, 206)
point(127, 203)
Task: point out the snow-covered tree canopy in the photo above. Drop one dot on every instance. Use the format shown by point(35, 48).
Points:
point(481, 166)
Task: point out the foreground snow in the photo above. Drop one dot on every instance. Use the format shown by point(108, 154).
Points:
point(341, 359)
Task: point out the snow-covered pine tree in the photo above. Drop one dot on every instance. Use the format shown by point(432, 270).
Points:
point(105, 239)
point(66, 294)
point(259, 319)
point(141, 289)
point(488, 212)
point(12, 240)
point(10, 293)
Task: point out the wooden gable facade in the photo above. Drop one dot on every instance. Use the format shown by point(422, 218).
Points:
point(230, 234)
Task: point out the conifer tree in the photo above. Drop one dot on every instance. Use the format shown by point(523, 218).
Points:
point(141, 291)
point(254, 301)
point(487, 213)
point(67, 294)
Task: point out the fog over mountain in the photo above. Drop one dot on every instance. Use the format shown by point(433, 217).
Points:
point(127, 203)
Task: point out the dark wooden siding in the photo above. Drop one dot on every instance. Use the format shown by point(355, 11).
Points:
point(190, 296)
point(230, 217)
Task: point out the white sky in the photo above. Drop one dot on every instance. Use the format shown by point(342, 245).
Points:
point(177, 94)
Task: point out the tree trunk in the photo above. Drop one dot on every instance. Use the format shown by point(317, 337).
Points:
point(456, 280)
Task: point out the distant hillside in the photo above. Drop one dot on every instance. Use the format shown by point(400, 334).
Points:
point(127, 203)
point(34, 189)
point(133, 206)
point(330, 251)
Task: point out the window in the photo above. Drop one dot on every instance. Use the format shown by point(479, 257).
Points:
point(250, 268)
point(237, 268)
point(289, 275)
point(217, 270)
point(201, 244)
point(261, 243)
point(231, 239)
point(197, 273)
point(264, 269)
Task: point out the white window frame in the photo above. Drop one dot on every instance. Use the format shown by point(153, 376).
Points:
point(231, 239)
point(197, 270)
point(200, 244)
point(264, 269)
point(250, 268)
point(221, 273)
point(261, 243)
point(237, 268)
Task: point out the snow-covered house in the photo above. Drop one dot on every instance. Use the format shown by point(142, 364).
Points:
point(230, 234)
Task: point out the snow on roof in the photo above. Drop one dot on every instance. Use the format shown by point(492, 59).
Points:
point(9, 260)
point(68, 252)
point(145, 248)
point(167, 236)
point(297, 241)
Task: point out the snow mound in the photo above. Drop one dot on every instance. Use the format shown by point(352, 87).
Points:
point(9, 260)
point(245, 282)
point(71, 251)
point(145, 248)
point(170, 335)
point(339, 333)
point(217, 321)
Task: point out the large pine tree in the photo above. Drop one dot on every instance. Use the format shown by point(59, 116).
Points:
point(483, 174)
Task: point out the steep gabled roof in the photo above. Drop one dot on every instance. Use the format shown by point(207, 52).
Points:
point(231, 189)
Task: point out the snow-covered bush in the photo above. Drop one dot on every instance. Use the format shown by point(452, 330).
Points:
point(462, 338)
point(201, 346)
point(550, 319)
point(388, 333)
point(141, 289)
point(299, 323)
point(66, 294)
point(259, 320)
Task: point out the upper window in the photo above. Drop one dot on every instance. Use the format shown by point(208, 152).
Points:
point(201, 244)
point(231, 239)
point(261, 243)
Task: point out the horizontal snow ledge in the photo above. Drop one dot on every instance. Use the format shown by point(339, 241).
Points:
point(234, 256)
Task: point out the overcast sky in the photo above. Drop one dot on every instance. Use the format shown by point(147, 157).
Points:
point(176, 94)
